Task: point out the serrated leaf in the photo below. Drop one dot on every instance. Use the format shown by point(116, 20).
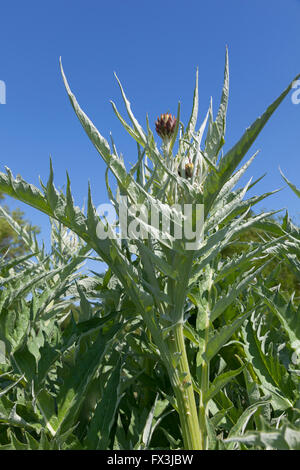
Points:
point(103, 418)
point(222, 336)
point(220, 381)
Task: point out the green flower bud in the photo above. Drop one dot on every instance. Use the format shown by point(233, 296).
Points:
point(189, 168)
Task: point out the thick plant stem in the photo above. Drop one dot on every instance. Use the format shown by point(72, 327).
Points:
point(204, 387)
point(202, 404)
point(182, 385)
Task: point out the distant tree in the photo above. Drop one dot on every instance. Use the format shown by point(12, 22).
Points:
point(9, 240)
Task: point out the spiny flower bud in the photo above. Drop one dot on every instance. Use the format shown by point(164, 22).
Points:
point(165, 125)
point(189, 168)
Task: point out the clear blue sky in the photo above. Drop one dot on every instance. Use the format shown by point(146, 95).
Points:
point(154, 46)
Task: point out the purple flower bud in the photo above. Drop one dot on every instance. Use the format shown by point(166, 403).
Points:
point(165, 125)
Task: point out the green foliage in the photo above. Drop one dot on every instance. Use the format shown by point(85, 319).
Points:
point(172, 347)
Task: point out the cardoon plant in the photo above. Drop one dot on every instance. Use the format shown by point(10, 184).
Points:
point(174, 277)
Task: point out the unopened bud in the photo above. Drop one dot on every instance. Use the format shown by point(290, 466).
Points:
point(189, 168)
point(165, 125)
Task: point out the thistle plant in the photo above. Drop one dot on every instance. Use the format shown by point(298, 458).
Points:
point(186, 295)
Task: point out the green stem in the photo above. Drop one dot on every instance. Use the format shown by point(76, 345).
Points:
point(182, 385)
point(204, 388)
